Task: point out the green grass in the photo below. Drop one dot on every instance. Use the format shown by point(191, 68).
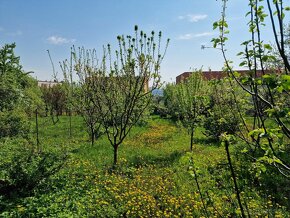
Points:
point(152, 179)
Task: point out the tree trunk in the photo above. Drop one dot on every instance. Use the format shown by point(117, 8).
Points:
point(115, 155)
point(46, 110)
point(199, 190)
point(37, 130)
point(92, 135)
point(70, 125)
point(234, 178)
point(191, 138)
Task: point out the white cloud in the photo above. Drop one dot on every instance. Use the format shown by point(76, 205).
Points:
point(186, 36)
point(181, 17)
point(204, 34)
point(58, 40)
point(193, 18)
point(197, 35)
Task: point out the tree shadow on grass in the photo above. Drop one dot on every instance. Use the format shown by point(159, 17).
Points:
point(207, 141)
point(163, 160)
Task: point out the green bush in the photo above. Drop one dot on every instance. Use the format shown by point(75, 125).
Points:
point(14, 123)
point(215, 125)
point(23, 167)
point(223, 115)
point(260, 175)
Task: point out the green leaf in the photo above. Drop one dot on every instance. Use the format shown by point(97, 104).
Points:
point(270, 80)
point(262, 168)
point(277, 160)
point(268, 46)
point(244, 80)
point(258, 81)
point(285, 82)
point(283, 16)
point(236, 74)
point(265, 58)
point(256, 132)
point(244, 150)
point(280, 89)
point(270, 112)
point(244, 63)
point(215, 25)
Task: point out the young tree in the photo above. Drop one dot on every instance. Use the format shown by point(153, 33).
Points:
point(18, 94)
point(12, 78)
point(82, 93)
point(193, 99)
point(226, 109)
point(265, 89)
point(171, 102)
point(120, 83)
point(55, 100)
point(267, 84)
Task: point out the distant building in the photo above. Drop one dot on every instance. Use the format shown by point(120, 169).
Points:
point(47, 84)
point(209, 75)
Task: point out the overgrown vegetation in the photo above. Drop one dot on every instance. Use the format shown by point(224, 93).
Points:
point(23, 165)
point(153, 178)
point(238, 161)
point(115, 92)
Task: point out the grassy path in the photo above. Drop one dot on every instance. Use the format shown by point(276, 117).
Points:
point(153, 179)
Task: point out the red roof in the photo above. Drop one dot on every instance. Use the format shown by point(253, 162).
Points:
point(209, 75)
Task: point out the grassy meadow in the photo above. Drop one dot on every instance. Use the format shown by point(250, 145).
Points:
point(156, 176)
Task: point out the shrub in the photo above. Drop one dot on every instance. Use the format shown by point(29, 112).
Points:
point(215, 125)
point(225, 109)
point(13, 123)
point(23, 168)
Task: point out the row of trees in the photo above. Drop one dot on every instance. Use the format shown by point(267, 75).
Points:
point(214, 105)
point(227, 105)
point(112, 93)
point(249, 112)
point(55, 100)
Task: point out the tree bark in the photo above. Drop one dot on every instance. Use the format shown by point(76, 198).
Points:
point(37, 130)
point(92, 135)
point(191, 138)
point(234, 178)
point(70, 124)
point(115, 155)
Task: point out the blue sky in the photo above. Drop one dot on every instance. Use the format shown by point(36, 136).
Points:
point(55, 25)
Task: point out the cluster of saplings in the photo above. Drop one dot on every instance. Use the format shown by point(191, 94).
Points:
point(228, 116)
point(204, 103)
point(246, 113)
point(111, 94)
